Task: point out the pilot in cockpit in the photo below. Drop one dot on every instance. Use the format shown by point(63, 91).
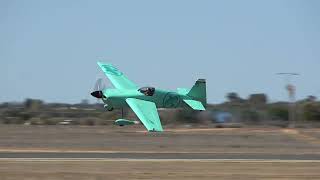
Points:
point(148, 91)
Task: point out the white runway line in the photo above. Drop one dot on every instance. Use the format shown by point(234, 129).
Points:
point(154, 160)
point(146, 152)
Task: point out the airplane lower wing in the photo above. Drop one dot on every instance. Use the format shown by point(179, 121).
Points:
point(146, 112)
point(118, 79)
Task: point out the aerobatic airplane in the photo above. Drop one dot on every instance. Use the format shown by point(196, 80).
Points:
point(144, 101)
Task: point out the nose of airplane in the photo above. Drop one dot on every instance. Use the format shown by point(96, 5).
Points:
point(97, 94)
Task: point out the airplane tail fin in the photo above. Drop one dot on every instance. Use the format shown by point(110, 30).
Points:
point(198, 92)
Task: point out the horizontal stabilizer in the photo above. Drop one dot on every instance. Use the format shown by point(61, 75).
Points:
point(196, 105)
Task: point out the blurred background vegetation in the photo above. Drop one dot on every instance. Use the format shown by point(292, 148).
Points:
point(253, 110)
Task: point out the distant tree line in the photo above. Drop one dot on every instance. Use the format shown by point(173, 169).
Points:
point(255, 109)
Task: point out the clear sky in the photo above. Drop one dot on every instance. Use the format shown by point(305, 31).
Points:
point(49, 49)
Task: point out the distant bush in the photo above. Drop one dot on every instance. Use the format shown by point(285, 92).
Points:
point(36, 121)
point(311, 111)
point(279, 113)
point(12, 120)
point(33, 104)
point(233, 97)
point(5, 120)
point(25, 116)
point(250, 115)
point(258, 99)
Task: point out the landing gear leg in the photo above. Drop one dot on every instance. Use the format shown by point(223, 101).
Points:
point(122, 114)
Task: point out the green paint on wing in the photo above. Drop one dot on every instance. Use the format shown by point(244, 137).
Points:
point(109, 69)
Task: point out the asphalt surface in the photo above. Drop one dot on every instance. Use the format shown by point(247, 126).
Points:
point(112, 143)
point(248, 156)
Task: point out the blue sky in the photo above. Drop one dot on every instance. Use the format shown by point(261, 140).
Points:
point(49, 49)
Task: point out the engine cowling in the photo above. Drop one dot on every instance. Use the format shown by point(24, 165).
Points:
point(125, 122)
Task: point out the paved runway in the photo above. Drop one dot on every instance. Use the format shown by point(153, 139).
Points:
point(187, 156)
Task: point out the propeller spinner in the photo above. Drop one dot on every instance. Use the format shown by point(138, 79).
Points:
point(97, 94)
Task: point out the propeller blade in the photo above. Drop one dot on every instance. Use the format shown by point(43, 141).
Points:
point(98, 85)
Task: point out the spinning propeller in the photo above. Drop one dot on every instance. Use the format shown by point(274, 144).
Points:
point(98, 88)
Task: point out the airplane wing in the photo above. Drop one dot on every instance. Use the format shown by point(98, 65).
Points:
point(146, 112)
point(117, 78)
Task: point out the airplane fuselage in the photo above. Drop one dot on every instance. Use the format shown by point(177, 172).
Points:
point(116, 98)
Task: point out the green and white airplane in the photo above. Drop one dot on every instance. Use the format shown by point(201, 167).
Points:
point(144, 101)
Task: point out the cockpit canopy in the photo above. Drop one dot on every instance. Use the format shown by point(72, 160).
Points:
point(148, 91)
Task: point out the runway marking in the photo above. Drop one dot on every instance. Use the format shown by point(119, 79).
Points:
point(240, 130)
point(194, 130)
point(154, 160)
point(147, 152)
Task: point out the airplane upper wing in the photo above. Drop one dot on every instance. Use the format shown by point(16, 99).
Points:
point(118, 79)
point(146, 112)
